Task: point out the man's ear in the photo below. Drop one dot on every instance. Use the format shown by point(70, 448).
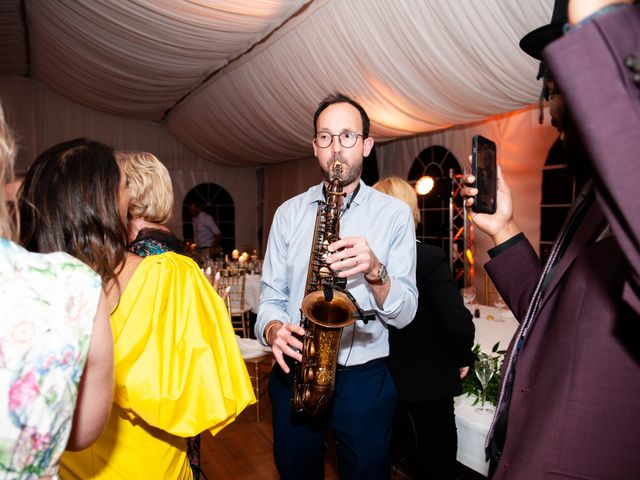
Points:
point(368, 145)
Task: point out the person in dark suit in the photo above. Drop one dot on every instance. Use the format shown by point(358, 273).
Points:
point(429, 357)
point(570, 408)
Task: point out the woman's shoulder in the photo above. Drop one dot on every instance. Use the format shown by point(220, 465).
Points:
point(159, 265)
point(154, 241)
point(430, 250)
point(59, 269)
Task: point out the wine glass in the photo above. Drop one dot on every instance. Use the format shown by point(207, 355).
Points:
point(500, 304)
point(484, 371)
point(468, 295)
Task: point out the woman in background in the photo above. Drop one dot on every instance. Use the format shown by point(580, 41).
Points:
point(178, 368)
point(430, 356)
point(150, 204)
point(56, 349)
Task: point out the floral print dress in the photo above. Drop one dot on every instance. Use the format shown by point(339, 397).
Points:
point(48, 305)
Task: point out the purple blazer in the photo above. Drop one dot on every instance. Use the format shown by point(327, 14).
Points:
point(575, 408)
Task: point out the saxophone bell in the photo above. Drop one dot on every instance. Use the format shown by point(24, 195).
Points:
point(337, 312)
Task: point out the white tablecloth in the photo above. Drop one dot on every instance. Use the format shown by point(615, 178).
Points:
point(251, 348)
point(252, 292)
point(472, 426)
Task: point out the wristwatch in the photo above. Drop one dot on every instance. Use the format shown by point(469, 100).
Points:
point(383, 276)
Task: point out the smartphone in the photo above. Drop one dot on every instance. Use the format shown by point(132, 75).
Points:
point(483, 167)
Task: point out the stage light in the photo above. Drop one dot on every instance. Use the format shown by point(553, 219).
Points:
point(469, 256)
point(425, 185)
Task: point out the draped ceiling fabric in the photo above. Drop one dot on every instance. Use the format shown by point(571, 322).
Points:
point(236, 81)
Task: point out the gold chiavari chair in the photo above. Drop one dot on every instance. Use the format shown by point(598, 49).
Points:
point(234, 280)
point(257, 377)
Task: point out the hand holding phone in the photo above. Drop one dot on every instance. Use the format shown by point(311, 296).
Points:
point(483, 167)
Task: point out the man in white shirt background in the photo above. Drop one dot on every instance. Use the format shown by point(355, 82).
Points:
point(206, 233)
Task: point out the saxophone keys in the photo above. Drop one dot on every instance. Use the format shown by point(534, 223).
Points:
point(307, 394)
point(298, 400)
point(308, 375)
point(309, 348)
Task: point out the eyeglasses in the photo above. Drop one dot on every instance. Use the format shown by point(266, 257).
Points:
point(347, 138)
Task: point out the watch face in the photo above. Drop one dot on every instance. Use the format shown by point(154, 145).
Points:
point(384, 276)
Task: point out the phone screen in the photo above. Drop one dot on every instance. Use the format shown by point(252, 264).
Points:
point(483, 165)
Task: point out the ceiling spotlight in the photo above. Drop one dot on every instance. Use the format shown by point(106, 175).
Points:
point(425, 185)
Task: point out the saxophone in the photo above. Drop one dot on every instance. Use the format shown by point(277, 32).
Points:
point(326, 309)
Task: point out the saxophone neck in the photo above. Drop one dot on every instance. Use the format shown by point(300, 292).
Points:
point(334, 190)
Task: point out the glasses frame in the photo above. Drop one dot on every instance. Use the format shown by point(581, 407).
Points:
point(339, 135)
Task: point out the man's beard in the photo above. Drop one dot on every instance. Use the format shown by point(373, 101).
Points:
point(348, 177)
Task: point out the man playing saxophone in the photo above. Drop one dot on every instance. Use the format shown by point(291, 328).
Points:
point(376, 256)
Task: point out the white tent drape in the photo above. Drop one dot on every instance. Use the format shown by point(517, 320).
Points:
point(417, 66)
point(237, 82)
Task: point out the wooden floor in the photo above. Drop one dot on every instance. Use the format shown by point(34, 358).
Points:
point(244, 449)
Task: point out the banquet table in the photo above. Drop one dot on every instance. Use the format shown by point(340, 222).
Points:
point(252, 292)
point(472, 426)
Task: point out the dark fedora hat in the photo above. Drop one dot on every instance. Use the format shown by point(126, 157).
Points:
point(534, 42)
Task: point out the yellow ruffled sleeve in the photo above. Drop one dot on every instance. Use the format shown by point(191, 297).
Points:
point(177, 362)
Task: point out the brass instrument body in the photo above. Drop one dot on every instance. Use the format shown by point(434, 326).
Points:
point(326, 310)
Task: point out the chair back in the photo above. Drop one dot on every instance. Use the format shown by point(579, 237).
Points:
point(234, 279)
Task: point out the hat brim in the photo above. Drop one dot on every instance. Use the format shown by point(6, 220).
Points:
point(534, 42)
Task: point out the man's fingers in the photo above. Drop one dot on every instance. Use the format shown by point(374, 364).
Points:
point(280, 359)
point(292, 353)
point(338, 244)
point(294, 342)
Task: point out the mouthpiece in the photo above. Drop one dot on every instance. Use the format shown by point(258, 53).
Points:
point(337, 169)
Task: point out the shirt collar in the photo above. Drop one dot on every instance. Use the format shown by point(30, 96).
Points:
point(316, 195)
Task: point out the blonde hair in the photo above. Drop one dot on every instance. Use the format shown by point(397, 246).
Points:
point(150, 188)
point(400, 189)
point(7, 155)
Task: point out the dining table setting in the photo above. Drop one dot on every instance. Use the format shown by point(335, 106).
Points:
point(495, 326)
point(236, 279)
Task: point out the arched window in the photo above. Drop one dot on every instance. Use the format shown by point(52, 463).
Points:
point(217, 202)
point(435, 161)
point(560, 185)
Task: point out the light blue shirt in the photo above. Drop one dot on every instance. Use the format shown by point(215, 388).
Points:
point(388, 226)
point(205, 230)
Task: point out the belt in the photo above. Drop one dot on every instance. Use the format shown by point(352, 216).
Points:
point(371, 363)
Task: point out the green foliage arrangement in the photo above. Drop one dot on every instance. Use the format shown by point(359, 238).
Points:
point(471, 384)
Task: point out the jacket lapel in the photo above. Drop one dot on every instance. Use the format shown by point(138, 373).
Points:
point(591, 226)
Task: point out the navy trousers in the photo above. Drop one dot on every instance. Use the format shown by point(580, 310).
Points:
point(360, 418)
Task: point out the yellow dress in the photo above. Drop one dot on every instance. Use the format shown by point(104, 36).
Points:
point(178, 372)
